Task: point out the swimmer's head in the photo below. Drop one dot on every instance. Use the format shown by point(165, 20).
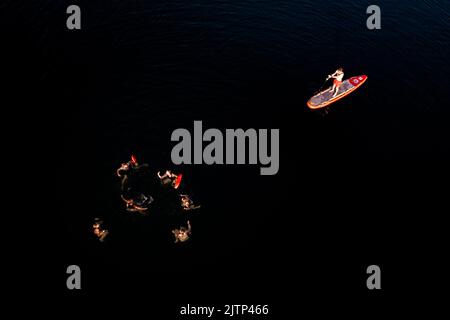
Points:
point(123, 170)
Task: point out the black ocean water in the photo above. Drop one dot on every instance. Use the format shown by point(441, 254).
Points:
point(361, 185)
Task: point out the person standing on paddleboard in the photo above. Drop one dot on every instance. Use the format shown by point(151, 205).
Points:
point(338, 75)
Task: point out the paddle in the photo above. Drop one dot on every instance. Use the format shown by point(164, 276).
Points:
point(323, 85)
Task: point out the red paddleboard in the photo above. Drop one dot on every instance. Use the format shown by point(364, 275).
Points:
point(324, 98)
point(178, 181)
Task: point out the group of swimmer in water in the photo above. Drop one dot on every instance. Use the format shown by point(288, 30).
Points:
point(139, 202)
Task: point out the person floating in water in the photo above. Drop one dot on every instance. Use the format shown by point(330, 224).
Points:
point(182, 234)
point(131, 175)
point(338, 75)
point(98, 230)
point(169, 178)
point(187, 203)
point(140, 204)
point(126, 167)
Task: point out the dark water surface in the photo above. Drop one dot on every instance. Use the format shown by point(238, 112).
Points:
point(355, 187)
